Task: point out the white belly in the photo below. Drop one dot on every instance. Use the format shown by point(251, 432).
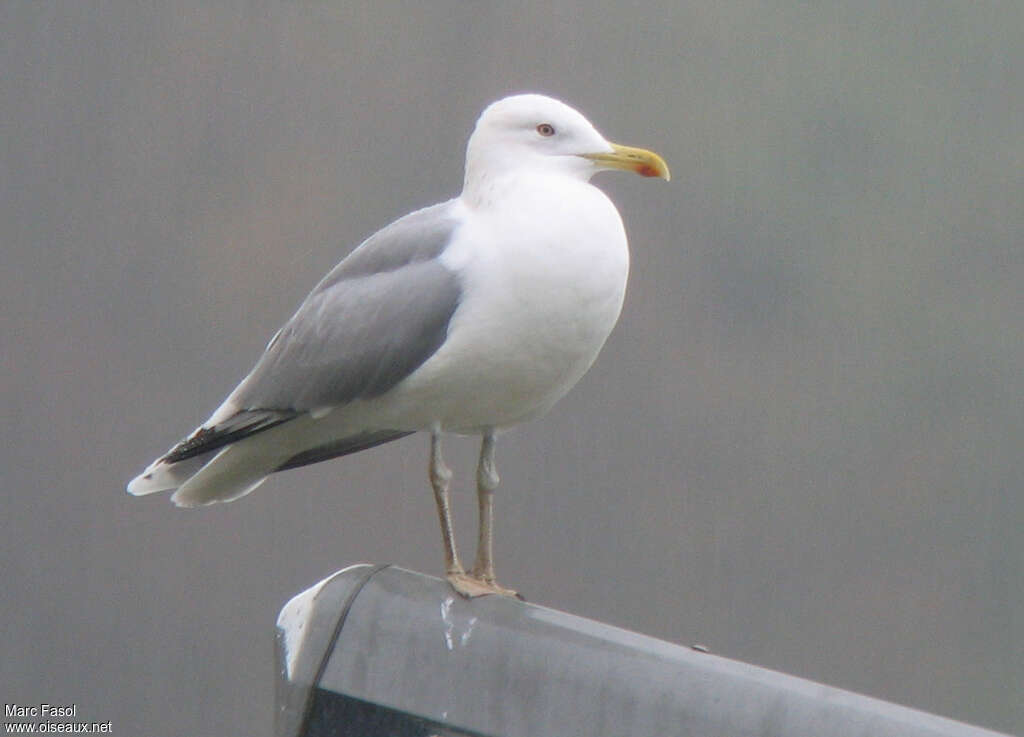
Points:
point(543, 283)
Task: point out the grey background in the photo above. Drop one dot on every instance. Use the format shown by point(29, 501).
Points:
point(801, 445)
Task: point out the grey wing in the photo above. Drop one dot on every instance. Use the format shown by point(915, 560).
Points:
point(371, 321)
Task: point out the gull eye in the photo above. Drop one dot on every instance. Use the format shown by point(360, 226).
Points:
point(546, 129)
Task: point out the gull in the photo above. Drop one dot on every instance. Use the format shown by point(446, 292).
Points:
point(466, 317)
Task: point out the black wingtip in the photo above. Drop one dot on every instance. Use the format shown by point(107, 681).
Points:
point(236, 427)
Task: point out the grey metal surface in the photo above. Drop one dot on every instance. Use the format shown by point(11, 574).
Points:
point(376, 650)
point(308, 628)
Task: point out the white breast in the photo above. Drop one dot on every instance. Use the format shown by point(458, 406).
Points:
point(543, 278)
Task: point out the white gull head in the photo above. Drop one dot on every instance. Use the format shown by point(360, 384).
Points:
point(532, 132)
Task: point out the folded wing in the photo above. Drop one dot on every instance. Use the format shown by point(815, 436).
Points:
point(372, 321)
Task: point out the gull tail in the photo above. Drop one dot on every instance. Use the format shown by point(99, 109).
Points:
point(234, 472)
point(241, 467)
point(222, 460)
point(232, 454)
point(220, 476)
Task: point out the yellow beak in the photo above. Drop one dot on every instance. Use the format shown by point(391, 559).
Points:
point(638, 160)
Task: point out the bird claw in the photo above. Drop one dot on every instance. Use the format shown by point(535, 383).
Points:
point(471, 586)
